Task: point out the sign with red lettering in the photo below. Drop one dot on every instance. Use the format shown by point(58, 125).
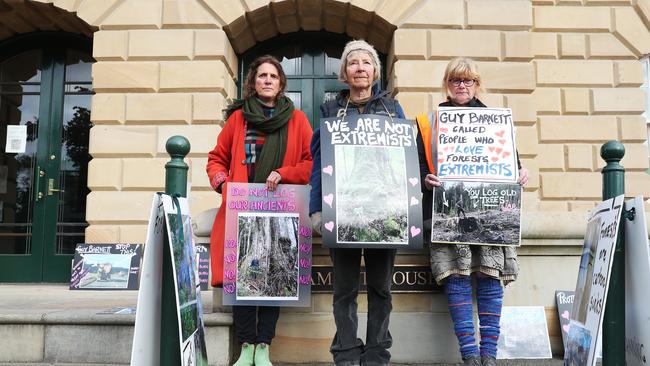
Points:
point(267, 258)
point(475, 144)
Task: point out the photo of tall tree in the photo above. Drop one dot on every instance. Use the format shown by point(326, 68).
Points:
point(371, 191)
point(267, 256)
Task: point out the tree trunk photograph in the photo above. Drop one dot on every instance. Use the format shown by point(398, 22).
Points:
point(267, 257)
point(371, 191)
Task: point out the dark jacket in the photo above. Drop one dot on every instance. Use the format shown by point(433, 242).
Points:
point(380, 103)
point(427, 195)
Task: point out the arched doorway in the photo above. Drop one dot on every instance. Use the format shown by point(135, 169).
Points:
point(45, 96)
point(311, 61)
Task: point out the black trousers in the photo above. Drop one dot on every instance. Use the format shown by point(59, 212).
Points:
point(346, 347)
point(255, 324)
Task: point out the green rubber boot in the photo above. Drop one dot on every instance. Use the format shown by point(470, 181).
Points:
point(246, 355)
point(262, 355)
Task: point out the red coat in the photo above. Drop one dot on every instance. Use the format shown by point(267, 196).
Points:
point(225, 165)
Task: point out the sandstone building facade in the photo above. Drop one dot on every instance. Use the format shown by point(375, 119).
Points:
point(571, 70)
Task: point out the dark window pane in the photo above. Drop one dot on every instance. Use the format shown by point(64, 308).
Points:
point(292, 66)
point(74, 173)
point(78, 66)
point(24, 67)
point(296, 98)
point(16, 174)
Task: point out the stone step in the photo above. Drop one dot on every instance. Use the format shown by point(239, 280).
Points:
point(552, 362)
point(84, 337)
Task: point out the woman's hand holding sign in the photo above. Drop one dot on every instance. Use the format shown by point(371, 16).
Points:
point(431, 181)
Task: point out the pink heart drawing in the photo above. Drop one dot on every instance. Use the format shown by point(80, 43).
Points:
point(441, 160)
point(494, 158)
point(413, 181)
point(500, 133)
point(414, 201)
point(328, 170)
point(566, 327)
point(443, 129)
point(565, 314)
point(328, 199)
point(415, 231)
point(502, 141)
point(329, 226)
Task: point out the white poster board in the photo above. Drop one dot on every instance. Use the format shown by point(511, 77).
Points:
point(475, 144)
point(146, 336)
point(637, 294)
point(524, 334)
point(593, 281)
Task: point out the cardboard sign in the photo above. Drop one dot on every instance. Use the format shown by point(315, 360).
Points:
point(564, 301)
point(267, 257)
point(106, 267)
point(466, 212)
point(371, 183)
point(593, 281)
point(188, 292)
point(637, 296)
point(524, 333)
point(475, 144)
point(146, 333)
point(203, 265)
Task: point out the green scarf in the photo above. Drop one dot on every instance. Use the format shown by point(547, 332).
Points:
point(275, 128)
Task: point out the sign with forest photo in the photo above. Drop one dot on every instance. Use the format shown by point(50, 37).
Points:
point(466, 212)
point(267, 257)
point(475, 144)
point(189, 310)
point(371, 183)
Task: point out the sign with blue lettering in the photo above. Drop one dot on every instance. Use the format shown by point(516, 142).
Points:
point(371, 183)
point(475, 144)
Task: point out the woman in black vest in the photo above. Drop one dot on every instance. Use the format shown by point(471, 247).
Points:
point(360, 68)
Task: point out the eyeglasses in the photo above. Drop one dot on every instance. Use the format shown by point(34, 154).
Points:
point(467, 82)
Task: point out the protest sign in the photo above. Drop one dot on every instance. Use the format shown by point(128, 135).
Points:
point(593, 281)
point(564, 302)
point(267, 257)
point(106, 267)
point(188, 291)
point(371, 183)
point(637, 296)
point(146, 334)
point(524, 333)
point(466, 212)
point(475, 144)
point(203, 265)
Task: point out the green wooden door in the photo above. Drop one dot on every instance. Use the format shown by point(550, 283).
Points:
point(45, 91)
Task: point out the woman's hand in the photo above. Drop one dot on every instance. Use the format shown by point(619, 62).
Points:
point(431, 181)
point(523, 176)
point(273, 180)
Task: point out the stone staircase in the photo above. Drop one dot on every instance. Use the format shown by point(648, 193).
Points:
point(49, 324)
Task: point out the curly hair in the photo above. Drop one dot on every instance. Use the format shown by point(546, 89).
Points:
point(249, 84)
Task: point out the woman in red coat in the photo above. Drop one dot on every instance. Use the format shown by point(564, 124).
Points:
point(264, 140)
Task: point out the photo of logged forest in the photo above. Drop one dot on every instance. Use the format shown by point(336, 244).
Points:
point(477, 213)
point(267, 256)
point(371, 194)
